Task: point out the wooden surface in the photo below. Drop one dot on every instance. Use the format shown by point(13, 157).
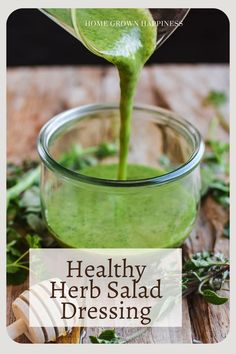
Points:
point(36, 94)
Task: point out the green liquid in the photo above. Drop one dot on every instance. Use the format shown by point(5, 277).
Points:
point(128, 47)
point(95, 217)
point(105, 217)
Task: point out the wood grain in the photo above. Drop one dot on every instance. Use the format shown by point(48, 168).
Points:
point(36, 94)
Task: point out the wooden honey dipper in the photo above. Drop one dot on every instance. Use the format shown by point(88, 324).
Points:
point(39, 293)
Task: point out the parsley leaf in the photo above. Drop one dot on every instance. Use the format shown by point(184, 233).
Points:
point(108, 336)
point(213, 298)
point(206, 273)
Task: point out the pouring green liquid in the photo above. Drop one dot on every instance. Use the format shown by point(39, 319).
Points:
point(128, 44)
point(95, 217)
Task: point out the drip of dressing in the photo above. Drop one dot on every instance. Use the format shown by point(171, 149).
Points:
point(124, 38)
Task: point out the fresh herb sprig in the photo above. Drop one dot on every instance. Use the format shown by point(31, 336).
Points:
point(25, 226)
point(215, 164)
point(206, 273)
point(17, 253)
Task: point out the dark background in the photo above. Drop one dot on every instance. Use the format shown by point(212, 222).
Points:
point(33, 39)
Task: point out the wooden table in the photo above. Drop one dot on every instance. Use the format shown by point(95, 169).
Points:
point(36, 94)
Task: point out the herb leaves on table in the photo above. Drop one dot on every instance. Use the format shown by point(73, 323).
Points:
point(107, 336)
point(206, 273)
point(23, 218)
point(25, 226)
point(215, 163)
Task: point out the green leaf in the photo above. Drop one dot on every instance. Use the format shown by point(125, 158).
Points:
point(34, 241)
point(106, 337)
point(106, 149)
point(199, 260)
point(213, 298)
point(218, 188)
point(94, 340)
point(215, 98)
point(11, 266)
point(11, 248)
point(218, 147)
point(70, 159)
point(220, 193)
point(214, 169)
point(202, 260)
point(200, 263)
point(26, 181)
point(78, 158)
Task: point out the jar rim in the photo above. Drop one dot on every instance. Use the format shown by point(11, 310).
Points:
point(55, 123)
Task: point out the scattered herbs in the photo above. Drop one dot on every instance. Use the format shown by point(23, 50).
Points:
point(23, 218)
point(215, 164)
point(17, 252)
point(206, 273)
point(215, 99)
point(20, 178)
point(78, 158)
point(215, 170)
point(25, 226)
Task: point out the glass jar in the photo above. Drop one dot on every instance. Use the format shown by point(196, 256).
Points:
point(157, 209)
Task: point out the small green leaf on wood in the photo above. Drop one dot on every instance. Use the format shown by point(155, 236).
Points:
point(213, 298)
point(108, 336)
